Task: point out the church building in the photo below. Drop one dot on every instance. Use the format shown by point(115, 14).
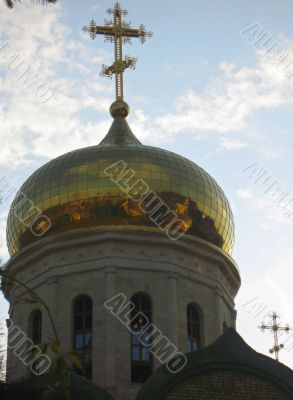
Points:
point(130, 247)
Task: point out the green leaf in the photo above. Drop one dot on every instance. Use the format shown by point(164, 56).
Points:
point(75, 360)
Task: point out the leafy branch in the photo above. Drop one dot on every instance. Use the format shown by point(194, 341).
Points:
point(11, 3)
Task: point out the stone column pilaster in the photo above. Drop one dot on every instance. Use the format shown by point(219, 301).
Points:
point(172, 308)
point(110, 332)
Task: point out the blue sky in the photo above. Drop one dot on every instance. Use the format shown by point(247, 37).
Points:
point(200, 89)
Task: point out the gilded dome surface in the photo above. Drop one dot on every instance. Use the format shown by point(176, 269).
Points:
point(73, 192)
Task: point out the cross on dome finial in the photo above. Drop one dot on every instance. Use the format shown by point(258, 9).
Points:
point(275, 327)
point(119, 32)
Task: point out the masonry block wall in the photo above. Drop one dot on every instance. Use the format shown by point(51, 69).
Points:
point(220, 385)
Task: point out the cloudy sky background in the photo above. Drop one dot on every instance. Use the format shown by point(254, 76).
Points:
point(201, 89)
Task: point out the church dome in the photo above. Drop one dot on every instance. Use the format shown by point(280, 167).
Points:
point(77, 191)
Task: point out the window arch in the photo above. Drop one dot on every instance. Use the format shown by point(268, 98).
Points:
point(36, 326)
point(141, 358)
point(82, 332)
point(193, 328)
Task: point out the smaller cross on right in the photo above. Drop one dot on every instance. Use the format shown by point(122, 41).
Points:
point(275, 327)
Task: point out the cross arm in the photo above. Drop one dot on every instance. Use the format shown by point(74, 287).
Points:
point(104, 30)
point(128, 32)
point(125, 32)
point(278, 328)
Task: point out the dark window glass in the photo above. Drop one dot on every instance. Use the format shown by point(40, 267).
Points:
point(78, 322)
point(82, 335)
point(88, 320)
point(141, 359)
point(36, 334)
point(135, 353)
point(193, 328)
point(37, 327)
point(78, 341)
point(146, 355)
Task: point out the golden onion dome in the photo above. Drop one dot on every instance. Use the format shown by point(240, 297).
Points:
point(120, 184)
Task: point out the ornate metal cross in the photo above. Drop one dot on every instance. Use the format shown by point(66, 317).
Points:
point(275, 328)
point(119, 32)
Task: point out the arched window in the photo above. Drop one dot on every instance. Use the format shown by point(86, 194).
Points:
point(82, 333)
point(36, 327)
point(141, 359)
point(193, 328)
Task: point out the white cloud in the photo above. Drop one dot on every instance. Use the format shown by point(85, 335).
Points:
point(271, 216)
point(244, 193)
point(228, 100)
point(232, 144)
point(39, 36)
point(226, 104)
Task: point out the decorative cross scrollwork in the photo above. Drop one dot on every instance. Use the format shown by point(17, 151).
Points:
point(119, 32)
